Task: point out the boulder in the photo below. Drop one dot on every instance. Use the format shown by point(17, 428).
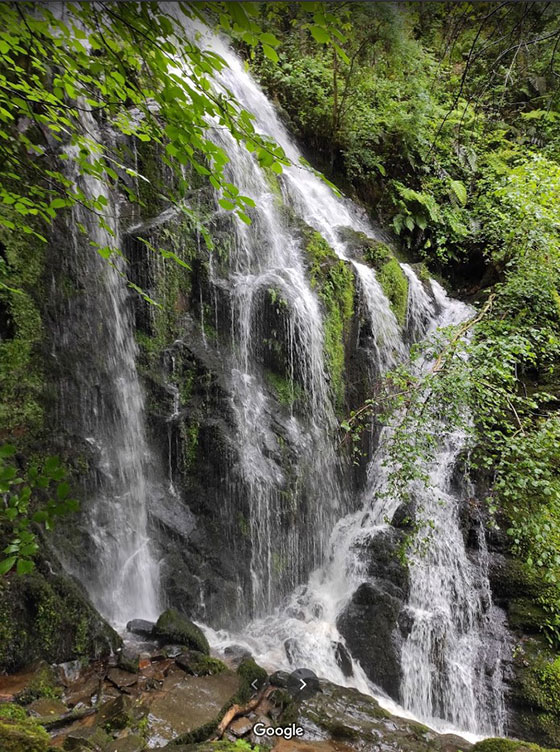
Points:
point(141, 627)
point(18, 733)
point(369, 625)
point(356, 722)
point(48, 616)
point(199, 664)
point(174, 627)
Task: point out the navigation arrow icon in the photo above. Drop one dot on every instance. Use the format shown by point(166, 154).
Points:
point(303, 684)
point(254, 684)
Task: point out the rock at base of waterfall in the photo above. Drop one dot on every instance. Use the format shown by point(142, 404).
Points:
point(141, 627)
point(344, 659)
point(175, 627)
point(198, 664)
point(280, 679)
point(369, 625)
point(235, 654)
point(357, 722)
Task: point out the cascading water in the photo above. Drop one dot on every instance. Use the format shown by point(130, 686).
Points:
point(448, 593)
point(122, 576)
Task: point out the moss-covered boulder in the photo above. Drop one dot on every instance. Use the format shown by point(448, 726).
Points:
point(508, 745)
point(250, 673)
point(19, 733)
point(46, 616)
point(199, 664)
point(174, 627)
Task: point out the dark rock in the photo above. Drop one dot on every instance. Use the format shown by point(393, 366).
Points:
point(240, 727)
point(91, 739)
point(128, 659)
point(292, 649)
point(48, 616)
point(343, 658)
point(115, 714)
point(175, 627)
point(141, 627)
point(236, 653)
point(356, 721)
point(369, 625)
point(121, 679)
point(404, 517)
point(130, 743)
point(280, 679)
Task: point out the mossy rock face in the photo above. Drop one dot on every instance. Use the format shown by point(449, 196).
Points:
point(175, 628)
point(45, 616)
point(507, 745)
point(334, 281)
point(526, 615)
point(395, 286)
point(22, 735)
point(536, 693)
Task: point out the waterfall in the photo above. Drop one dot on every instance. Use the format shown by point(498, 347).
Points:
point(96, 330)
point(442, 681)
point(302, 576)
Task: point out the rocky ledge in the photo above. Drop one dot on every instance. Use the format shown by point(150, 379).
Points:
point(164, 691)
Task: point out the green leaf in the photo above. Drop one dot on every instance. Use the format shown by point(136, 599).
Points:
point(7, 564)
point(460, 191)
point(25, 566)
point(320, 35)
point(270, 53)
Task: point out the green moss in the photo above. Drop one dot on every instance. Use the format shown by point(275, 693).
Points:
point(21, 371)
point(203, 665)
point(507, 745)
point(525, 614)
point(538, 689)
point(12, 712)
point(43, 685)
point(334, 281)
point(394, 284)
point(189, 435)
point(249, 671)
point(23, 736)
point(287, 391)
point(174, 627)
point(44, 616)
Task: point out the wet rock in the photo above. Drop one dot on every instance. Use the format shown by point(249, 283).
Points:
point(240, 727)
point(128, 659)
point(130, 743)
point(351, 718)
point(236, 653)
point(115, 714)
point(67, 629)
point(80, 739)
point(369, 625)
point(45, 707)
point(190, 706)
point(198, 664)
point(280, 679)
point(292, 650)
point(141, 627)
point(176, 628)
point(82, 691)
point(343, 658)
point(121, 679)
